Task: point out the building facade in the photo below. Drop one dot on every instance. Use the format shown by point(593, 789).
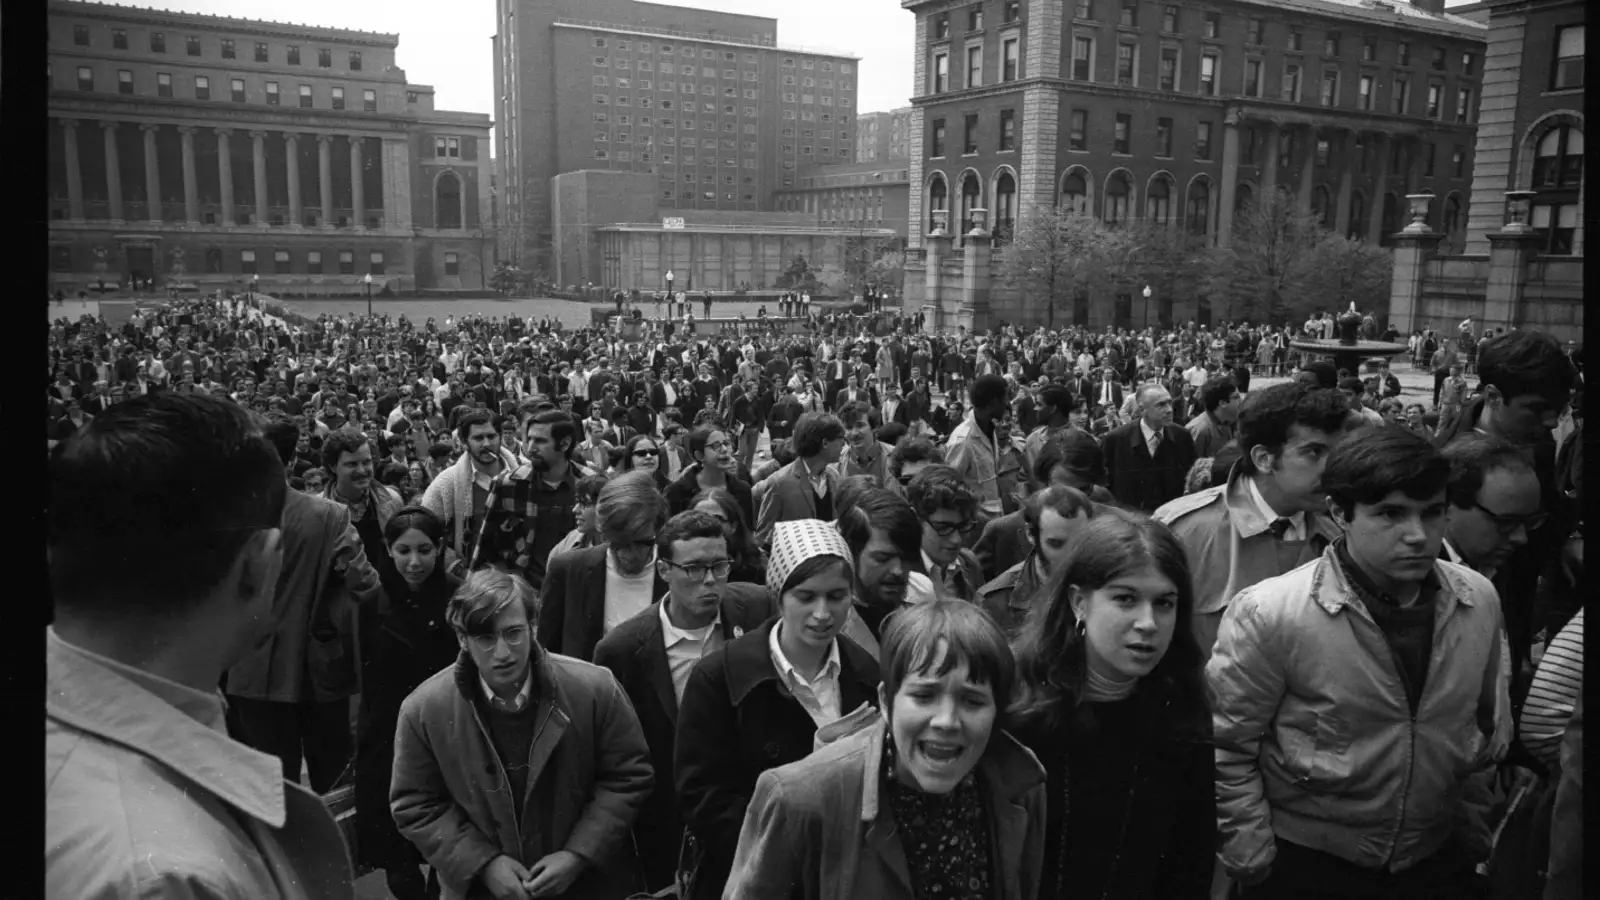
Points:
point(883, 135)
point(187, 148)
point(851, 195)
point(1182, 112)
point(706, 102)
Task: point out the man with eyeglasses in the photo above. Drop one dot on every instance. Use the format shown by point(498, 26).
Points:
point(946, 508)
point(652, 654)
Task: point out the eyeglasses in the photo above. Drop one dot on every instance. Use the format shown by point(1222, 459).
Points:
point(717, 445)
point(514, 637)
point(945, 529)
point(1507, 525)
point(698, 571)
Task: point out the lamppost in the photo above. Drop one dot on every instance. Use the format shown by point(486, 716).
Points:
point(669, 283)
point(367, 281)
point(1147, 306)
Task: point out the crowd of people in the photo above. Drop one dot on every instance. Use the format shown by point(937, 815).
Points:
point(1023, 614)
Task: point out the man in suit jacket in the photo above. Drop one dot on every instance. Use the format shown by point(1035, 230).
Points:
point(587, 593)
point(1104, 388)
point(852, 393)
point(1148, 459)
point(805, 488)
point(652, 654)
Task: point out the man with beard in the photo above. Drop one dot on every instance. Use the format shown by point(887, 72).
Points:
point(347, 455)
point(652, 654)
point(460, 495)
point(885, 539)
point(532, 507)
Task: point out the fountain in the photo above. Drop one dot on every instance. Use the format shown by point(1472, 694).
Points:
point(1349, 348)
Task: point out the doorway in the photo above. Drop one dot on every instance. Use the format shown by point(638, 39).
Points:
point(141, 262)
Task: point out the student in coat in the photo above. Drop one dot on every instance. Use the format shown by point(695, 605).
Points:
point(653, 653)
point(1148, 458)
point(804, 488)
point(589, 592)
point(929, 799)
point(757, 703)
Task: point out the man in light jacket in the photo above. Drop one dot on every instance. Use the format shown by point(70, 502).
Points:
point(164, 549)
point(517, 771)
point(1355, 699)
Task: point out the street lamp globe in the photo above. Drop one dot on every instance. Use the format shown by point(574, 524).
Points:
point(1147, 292)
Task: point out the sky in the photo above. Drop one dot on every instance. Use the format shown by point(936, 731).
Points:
point(451, 51)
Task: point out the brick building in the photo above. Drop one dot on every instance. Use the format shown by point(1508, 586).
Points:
point(213, 151)
point(606, 84)
point(1181, 112)
point(883, 135)
point(860, 194)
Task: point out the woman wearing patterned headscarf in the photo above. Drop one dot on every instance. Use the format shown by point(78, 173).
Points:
point(757, 703)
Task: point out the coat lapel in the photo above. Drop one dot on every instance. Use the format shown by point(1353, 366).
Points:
point(593, 600)
point(657, 670)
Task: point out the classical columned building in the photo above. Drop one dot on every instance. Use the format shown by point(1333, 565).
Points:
point(195, 149)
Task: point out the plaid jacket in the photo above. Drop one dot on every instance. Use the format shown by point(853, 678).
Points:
point(524, 520)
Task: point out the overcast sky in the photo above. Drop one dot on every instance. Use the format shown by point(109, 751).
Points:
point(448, 47)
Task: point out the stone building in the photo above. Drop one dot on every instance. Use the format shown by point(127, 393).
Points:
point(214, 151)
point(707, 103)
point(851, 195)
point(1129, 109)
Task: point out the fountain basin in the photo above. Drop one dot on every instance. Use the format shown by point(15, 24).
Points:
point(1349, 356)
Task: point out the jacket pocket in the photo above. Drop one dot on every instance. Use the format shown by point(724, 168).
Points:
point(1332, 763)
point(332, 665)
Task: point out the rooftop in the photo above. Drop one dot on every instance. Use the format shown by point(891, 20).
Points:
point(129, 12)
point(723, 39)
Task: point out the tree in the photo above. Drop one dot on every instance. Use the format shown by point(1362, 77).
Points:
point(1273, 243)
point(800, 276)
point(1166, 259)
point(1340, 271)
point(1057, 254)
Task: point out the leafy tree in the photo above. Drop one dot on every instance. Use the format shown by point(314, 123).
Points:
point(1166, 259)
point(1341, 271)
point(800, 276)
point(1056, 254)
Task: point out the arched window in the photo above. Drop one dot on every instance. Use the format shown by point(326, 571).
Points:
point(1159, 204)
point(938, 199)
point(1452, 214)
point(971, 199)
point(1557, 177)
point(1559, 160)
point(1199, 214)
point(1321, 208)
point(447, 201)
point(1005, 206)
point(1074, 196)
point(1358, 217)
point(1116, 210)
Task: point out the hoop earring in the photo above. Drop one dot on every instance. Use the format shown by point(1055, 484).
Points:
point(1079, 628)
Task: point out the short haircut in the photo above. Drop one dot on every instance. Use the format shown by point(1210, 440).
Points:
point(916, 637)
point(940, 487)
point(850, 488)
point(687, 526)
point(1266, 416)
point(1067, 502)
point(1374, 462)
point(484, 595)
point(439, 449)
point(1471, 456)
point(1327, 376)
point(418, 517)
point(152, 501)
point(1352, 383)
point(1519, 363)
point(628, 501)
point(987, 389)
point(338, 443)
point(284, 436)
point(1058, 396)
point(890, 433)
point(1217, 391)
point(910, 449)
point(1142, 397)
point(887, 512)
point(813, 431)
point(1077, 452)
point(853, 411)
point(1222, 463)
point(562, 427)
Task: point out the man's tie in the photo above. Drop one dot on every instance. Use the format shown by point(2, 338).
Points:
point(1279, 527)
point(1155, 442)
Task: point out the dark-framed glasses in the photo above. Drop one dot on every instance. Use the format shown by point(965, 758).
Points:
point(1507, 525)
point(946, 529)
point(646, 451)
point(698, 571)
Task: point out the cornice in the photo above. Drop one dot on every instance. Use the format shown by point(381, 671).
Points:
point(218, 24)
point(69, 104)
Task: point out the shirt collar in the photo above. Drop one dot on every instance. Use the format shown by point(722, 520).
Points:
point(1146, 430)
point(672, 635)
point(205, 708)
point(1297, 522)
point(932, 567)
point(520, 702)
point(786, 669)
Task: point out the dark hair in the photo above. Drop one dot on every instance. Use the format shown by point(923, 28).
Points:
point(1217, 391)
point(1222, 463)
point(686, 526)
point(912, 449)
point(891, 514)
point(742, 545)
point(153, 500)
point(1075, 451)
point(1327, 376)
point(1519, 363)
point(1373, 462)
point(338, 443)
point(438, 449)
point(852, 487)
point(813, 431)
point(855, 409)
point(700, 437)
point(1058, 396)
point(940, 487)
point(1266, 416)
point(890, 433)
point(1067, 502)
point(783, 451)
point(987, 389)
point(912, 638)
point(1471, 456)
point(284, 436)
point(562, 428)
point(419, 517)
point(1051, 654)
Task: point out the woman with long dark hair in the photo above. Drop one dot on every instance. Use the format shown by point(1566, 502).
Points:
point(645, 452)
point(413, 641)
point(715, 466)
point(1111, 698)
point(749, 563)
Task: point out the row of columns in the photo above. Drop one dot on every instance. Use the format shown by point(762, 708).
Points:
point(191, 197)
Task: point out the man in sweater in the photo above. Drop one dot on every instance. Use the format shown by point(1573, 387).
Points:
point(461, 494)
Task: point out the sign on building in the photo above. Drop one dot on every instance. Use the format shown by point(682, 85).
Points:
point(672, 222)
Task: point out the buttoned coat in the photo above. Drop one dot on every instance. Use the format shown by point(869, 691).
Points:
point(1139, 480)
point(789, 496)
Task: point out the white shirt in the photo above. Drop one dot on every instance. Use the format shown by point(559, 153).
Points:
point(819, 698)
point(626, 595)
point(1297, 522)
point(1196, 376)
point(1148, 432)
point(518, 702)
point(685, 648)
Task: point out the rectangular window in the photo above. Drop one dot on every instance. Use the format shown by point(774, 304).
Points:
point(969, 142)
point(974, 67)
point(80, 35)
point(1402, 53)
point(1008, 59)
point(375, 262)
point(1296, 40)
point(1464, 105)
point(1208, 74)
point(452, 263)
point(338, 98)
point(1568, 70)
point(1130, 14)
point(1330, 88)
point(1125, 66)
point(1557, 224)
point(1082, 56)
point(124, 81)
point(1291, 83)
point(158, 42)
point(202, 87)
point(192, 44)
point(1440, 55)
point(1330, 45)
point(1434, 92)
point(452, 147)
point(229, 50)
point(1169, 69)
point(1322, 150)
point(1469, 63)
point(261, 51)
point(314, 262)
point(936, 139)
point(1253, 32)
point(1202, 140)
point(1008, 129)
point(1400, 100)
point(1078, 136)
point(1369, 49)
point(1364, 92)
point(347, 262)
point(163, 84)
point(280, 261)
point(236, 88)
point(1458, 163)
point(1164, 138)
point(292, 54)
point(305, 96)
point(941, 73)
point(247, 262)
point(941, 31)
point(119, 38)
point(1120, 141)
point(324, 58)
point(1213, 26)
point(412, 96)
point(1252, 78)
point(975, 18)
point(369, 100)
point(355, 60)
point(1428, 153)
